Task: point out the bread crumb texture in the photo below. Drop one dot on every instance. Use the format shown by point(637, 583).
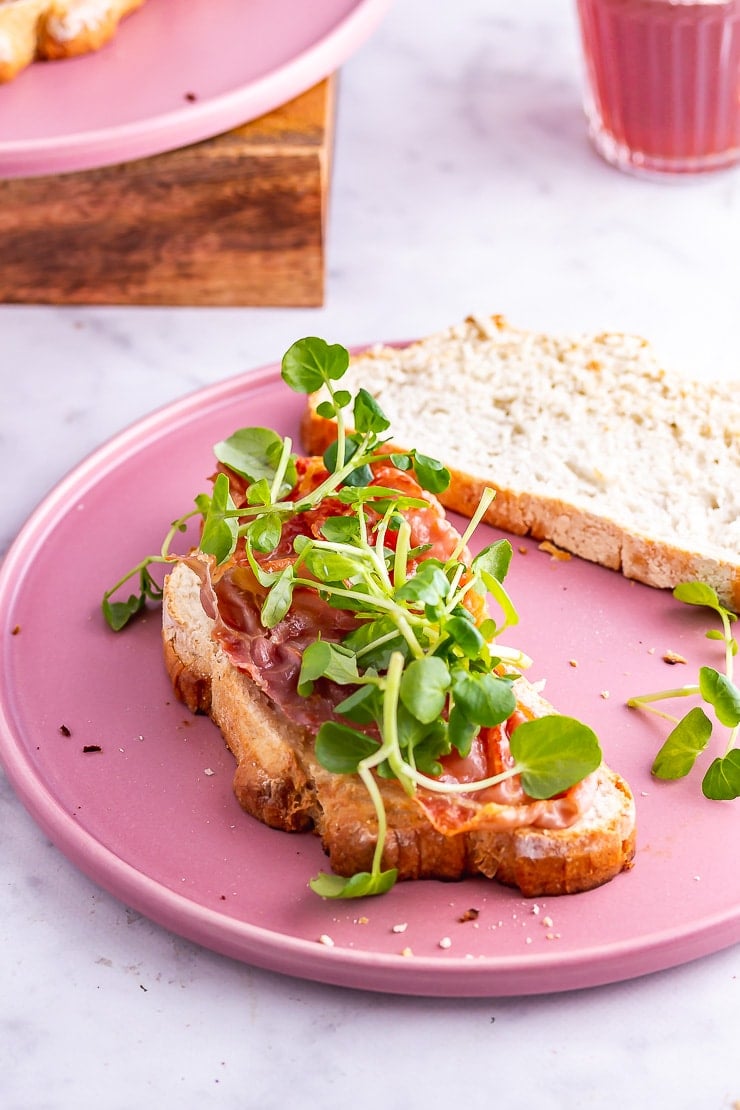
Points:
point(589, 441)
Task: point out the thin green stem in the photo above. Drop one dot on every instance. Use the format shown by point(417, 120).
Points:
point(486, 498)
point(282, 466)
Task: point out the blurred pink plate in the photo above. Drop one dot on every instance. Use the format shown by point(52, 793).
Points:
point(178, 71)
point(151, 816)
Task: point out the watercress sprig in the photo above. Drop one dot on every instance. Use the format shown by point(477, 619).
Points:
point(691, 733)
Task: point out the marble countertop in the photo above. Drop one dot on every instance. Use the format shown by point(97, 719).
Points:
point(463, 182)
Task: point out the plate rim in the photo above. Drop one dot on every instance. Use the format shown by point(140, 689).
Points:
point(99, 147)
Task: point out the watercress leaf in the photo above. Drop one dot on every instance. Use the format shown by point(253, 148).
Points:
point(149, 586)
point(722, 694)
point(259, 493)
point(362, 707)
point(362, 475)
point(697, 593)
point(484, 699)
point(314, 661)
point(119, 613)
point(465, 634)
point(330, 409)
point(682, 745)
point(413, 733)
point(341, 666)
point(219, 534)
point(279, 598)
point(311, 362)
point(461, 731)
point(428, 750)
point(554, 753)
point(374, 641)
point(402, 461)
point(340, 749)
point(341, 529)
point(252, 452)
point(428, 586)
point(424, 686)
point(430, 473)
point(323, 659)
point(362, 885)
point(494, 560)
point(265, 532)
point(367, 413)
point(721, 783)
point(331, 566)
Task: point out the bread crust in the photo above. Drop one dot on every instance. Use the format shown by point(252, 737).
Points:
point(279, 781)
point(54, 29)
point(611, 539)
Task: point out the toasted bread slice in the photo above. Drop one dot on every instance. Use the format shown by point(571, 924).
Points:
point(31, 29)
point(279, 781)
point(587, 441)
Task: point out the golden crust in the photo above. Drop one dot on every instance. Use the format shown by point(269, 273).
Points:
point(279, 781)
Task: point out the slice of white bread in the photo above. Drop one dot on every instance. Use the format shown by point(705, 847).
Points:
point(588, 442)
point(31, 29)
point(279, 781)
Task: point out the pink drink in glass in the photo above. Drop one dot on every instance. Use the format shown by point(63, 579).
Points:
point(663, 82)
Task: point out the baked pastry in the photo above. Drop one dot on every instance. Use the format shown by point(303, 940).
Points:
point(48, 29)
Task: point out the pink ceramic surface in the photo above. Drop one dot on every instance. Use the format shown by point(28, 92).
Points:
point(151, 817)
point(177, 72)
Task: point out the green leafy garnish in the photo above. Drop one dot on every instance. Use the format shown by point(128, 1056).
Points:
point(691, 733)
point(423, 675)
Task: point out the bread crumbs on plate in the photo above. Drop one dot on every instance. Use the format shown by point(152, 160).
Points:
point(555, 552)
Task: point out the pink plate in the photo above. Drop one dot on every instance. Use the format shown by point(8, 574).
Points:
point(151, 816)
point(178, 71)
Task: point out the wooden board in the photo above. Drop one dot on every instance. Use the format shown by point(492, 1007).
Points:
point(239, 219)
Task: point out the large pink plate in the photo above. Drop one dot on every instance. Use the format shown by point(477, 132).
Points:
point(151, 817)
point(178, 71)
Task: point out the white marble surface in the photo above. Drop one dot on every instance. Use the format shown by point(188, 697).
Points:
point(463, 181)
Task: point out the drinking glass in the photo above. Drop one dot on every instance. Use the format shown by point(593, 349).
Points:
point(662, 91)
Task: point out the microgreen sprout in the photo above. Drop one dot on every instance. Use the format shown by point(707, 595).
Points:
point(423, 674)
point(692, 732)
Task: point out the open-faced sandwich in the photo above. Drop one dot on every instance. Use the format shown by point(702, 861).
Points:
point(48, 29)
point(335, 626)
